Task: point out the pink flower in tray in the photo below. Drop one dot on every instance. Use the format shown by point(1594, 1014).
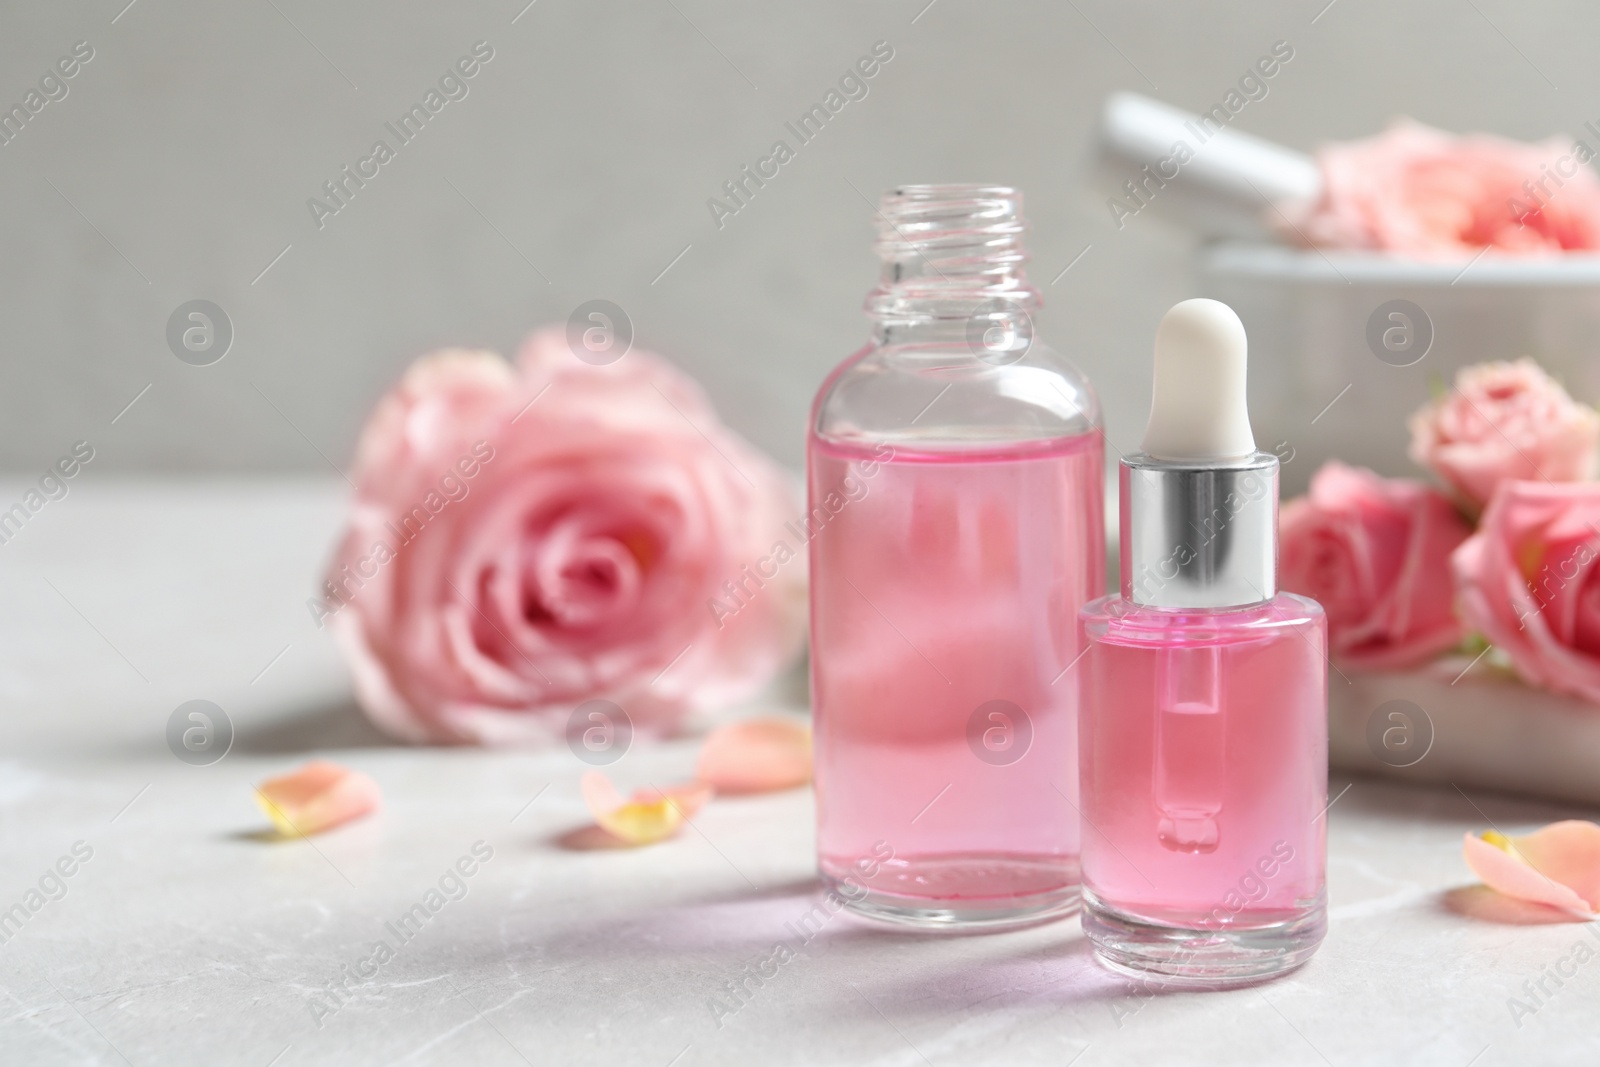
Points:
point(1422, 193)
point(1503, 421)
point(1375, 553)
point(1527, 581)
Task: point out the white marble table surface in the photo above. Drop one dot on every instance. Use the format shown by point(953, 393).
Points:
point(187, 938)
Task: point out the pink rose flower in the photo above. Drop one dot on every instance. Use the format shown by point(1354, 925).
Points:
point(1421, 192)
point(525, 539)
point(1505, 421)
point(1375, 553)
point(1528, 584)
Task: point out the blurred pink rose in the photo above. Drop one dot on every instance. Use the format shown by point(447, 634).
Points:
point(1420, 192)
point(1527, 581)
point(1375, 553)
point(525, 539)
point(1504, 421)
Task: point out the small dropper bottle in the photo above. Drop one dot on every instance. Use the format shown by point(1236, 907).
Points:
point(1203, 731)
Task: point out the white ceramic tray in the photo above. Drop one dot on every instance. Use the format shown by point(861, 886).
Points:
point(1477, 728)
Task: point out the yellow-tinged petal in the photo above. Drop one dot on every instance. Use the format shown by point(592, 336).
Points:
point(650, 815)
point(1568, 852)
point(316, 797)
point(1558, 865)
point(642, 824)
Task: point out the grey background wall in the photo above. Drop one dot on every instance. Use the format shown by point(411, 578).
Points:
point(180, 161)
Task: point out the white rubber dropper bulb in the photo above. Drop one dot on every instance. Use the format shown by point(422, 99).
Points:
point(1197, 405)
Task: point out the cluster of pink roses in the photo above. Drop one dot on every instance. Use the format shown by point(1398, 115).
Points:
point(1404, 576)
point(1425, 194)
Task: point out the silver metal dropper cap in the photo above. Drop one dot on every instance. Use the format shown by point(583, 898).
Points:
point(1199, 504)
point(1199, 537)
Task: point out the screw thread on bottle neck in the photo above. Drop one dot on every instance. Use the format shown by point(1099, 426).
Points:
point(946, 250)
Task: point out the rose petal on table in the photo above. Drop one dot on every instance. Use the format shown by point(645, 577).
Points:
point(650, 815)
point(689, 797)
point(1569, 853)
point(316, 797)
point(1480, 903)
point(1499, 863)
point(756, 756)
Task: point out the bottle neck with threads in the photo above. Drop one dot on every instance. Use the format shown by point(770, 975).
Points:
point(953, 361)
point(953, 260)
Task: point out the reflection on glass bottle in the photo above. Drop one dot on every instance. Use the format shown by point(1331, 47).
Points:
point(955, 473)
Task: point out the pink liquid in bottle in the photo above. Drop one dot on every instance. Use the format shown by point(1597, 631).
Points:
point(1204, 836)
point(945, 589)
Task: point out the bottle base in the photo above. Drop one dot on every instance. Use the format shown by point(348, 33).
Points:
point(1187, 956)
point(959, 893)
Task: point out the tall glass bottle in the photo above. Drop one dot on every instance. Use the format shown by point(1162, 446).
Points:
point(1204, 720)
point(955, 470)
